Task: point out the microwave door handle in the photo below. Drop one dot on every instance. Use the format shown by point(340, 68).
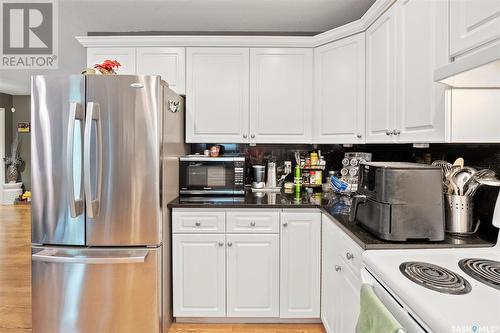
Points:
point(356, 200)
point(49, 255)
point(93, 114)
point(75, 205)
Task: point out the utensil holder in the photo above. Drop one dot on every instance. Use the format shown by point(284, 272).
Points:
point(459, 213)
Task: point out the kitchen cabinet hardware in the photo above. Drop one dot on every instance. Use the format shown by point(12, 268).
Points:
point(349, 256)
point(252, 224)
point(387, 132)
point(396, 132)
point(285, 224)
point(359, 136)
point(245, 136)
point(229, 244)
point(252, 136)
point(338, 268)
point(221, 244)
point(197, 224)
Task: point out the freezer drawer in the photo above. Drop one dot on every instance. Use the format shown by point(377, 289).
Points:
point(96, 290)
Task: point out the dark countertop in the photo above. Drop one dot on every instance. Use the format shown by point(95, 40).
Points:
point(337, 208)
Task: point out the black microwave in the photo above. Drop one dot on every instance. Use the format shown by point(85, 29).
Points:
point(204, 175)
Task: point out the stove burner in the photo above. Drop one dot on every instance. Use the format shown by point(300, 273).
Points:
point(483, 270)
point(434, 277)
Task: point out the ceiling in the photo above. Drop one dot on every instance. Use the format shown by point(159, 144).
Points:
point(222, 15)
point(79, 17)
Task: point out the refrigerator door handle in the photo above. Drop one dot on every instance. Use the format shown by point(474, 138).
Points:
point(93, 114)
point(52, 255)
point(75, 205)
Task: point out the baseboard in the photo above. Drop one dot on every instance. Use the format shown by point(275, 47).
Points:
point(223, 320)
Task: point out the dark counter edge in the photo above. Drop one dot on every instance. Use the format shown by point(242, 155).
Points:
point(351, 229)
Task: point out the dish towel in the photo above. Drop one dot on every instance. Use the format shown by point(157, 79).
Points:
point(374, 316)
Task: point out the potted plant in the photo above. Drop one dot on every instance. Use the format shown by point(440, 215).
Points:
point(14, 161)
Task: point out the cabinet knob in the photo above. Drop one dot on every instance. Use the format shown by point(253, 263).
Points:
point(221, 244)
point(229, 244)
point(387, 132)
point(349, 256)
point(245, 136)
point(197, 224)
point(285, 224)
point(359, 136)
point(252, 224)
point(252, 136)
point(338, 268)
point(396, 132)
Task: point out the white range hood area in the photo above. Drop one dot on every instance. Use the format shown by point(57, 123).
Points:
point(478, 70)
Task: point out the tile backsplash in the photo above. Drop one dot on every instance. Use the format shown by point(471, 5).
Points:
point(476, 155)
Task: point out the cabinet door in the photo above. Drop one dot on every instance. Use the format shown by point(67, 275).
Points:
point(280, 95)
point(473, 23)
point(421, 46)
point(168, 62)
point(217, 95)
point(199, 279)
point(124, 55)
point(329, 286)
point(339, 109)
point(300, 265)
point(348, 307)
point(252, 275)
point(380, 77)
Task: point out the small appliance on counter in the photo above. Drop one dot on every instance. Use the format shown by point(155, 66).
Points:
point(258, 176)
point(202, 175)
point(399, 201)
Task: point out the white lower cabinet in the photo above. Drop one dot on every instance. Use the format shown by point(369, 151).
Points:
point(199, 275)
point(256, 263)
point(252, 275)
point(300, 264)
point(340, 280)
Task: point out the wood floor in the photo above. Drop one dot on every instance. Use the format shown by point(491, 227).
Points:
point(15, 269)
point(15, 284)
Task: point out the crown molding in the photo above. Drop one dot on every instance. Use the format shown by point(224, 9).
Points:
point(346, 30)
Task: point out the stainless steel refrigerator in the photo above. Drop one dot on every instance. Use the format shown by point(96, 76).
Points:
point(103, 150)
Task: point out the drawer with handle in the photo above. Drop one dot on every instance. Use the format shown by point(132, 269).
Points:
point(350, 252)
point(261, 221)
point(198, 221)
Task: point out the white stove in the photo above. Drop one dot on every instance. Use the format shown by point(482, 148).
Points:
point(439, 290)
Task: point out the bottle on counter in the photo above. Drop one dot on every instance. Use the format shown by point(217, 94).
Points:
point(314, 159)
point(298, 179)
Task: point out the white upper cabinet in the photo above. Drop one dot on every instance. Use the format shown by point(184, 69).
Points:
point(473, 23)
point(252, 275)
point(421, 47)
point(380, 78)
point(124, 55)
point(403, 48)
point(168, 62)
point(339, 103)
point(280, 95)
point(300, 264)
point(217, 95)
